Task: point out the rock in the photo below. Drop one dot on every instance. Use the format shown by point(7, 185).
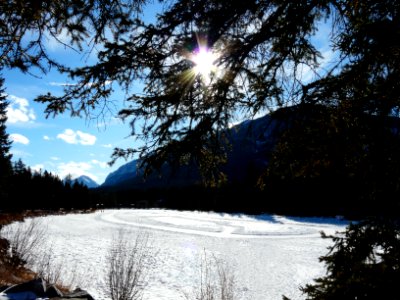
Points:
point(78, 294)
point(38, 288)
point(53, 292)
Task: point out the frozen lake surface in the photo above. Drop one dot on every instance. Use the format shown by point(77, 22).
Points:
point(271, 255)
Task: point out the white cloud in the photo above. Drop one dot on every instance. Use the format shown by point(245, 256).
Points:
point(38, 167)
point(55, 43)
point(101, 164)
point(63, 84)
point(69, 136)
point(19, 138)
point(75, 169)
point(86, 138)
point(107, 146)
point(18, 110)
point(54, 158)
point(328, 59)
point(77, 137)
point(54, 83)
point(46, 138)
point(19, 153)
point(113, 121)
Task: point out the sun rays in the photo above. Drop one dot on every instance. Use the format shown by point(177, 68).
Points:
point(204, 63)
point(204, 68)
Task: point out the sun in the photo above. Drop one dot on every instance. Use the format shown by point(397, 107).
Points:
point(204, 62)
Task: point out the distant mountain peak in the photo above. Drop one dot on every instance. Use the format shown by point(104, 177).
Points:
point(84, 180)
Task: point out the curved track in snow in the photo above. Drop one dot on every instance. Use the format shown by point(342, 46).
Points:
point(216, 225)
point(271, 255)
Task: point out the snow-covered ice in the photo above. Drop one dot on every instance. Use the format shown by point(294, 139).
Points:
point(271, 255)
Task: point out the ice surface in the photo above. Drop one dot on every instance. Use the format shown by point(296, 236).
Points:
point(271, 255)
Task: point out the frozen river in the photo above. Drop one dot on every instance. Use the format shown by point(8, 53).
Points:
point(270, 255)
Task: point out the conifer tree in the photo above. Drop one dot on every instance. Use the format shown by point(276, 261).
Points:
point(260, 48)
point(363, 263)
point(5, 145)
point(27, 26)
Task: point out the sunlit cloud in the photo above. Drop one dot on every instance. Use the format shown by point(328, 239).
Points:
point(77, 137)
point(19, 138)
point(329, 57)
point(111, 122)
point(37, 167)
point(54, 83)
point(56, 43)
point(18, 110)
point(306, 74)
point(101, 164)
point(106, 146)
point(64, 84)
point(54, 158)
point(46, 138)
point(75, 169)
point(17, 153)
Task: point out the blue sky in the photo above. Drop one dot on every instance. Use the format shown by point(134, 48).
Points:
point(64, 145)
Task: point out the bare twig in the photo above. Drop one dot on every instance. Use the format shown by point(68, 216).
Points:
point(217, 281)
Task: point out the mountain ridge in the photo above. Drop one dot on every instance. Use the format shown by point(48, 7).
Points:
point(251, 140)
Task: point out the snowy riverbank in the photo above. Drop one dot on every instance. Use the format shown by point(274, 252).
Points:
point(271, 255)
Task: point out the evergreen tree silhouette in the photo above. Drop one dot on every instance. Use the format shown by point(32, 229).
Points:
point(5, 145)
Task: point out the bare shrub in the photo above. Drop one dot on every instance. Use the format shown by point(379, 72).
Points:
point(25, 246)
point(24, 238)
point(46, 267)
point(129, 263)
point(217, 281)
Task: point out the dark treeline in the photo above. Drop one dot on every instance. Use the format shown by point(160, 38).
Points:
point(290, 198)
point(304, 180)
point(318, 165)
point(25, 189)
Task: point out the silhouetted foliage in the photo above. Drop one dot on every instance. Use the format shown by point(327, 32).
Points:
point(5, 145)
point(334, 165)
point(363, 263)
point(261, 48)
point(26, 27)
